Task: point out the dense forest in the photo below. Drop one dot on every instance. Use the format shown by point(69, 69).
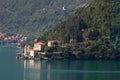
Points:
point(95, 30)
point(33, 17)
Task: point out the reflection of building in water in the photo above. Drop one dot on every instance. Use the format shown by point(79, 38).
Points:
point(48, 73)
point(37, 70)
point(31, 70)
point(54, 70)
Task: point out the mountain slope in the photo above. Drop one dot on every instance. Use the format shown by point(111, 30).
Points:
point(95, 28)
point(33, 17)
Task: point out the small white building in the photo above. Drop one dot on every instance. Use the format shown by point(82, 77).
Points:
point(53, 43)
point(63, 8)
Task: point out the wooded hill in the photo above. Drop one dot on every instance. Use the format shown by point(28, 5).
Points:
point(95, 28)
point(33, 17)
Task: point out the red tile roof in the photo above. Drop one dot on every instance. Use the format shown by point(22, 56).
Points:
point(40, 43)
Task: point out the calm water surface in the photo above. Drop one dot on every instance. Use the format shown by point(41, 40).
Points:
point(11, 69)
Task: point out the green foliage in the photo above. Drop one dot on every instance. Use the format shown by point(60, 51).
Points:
point(93, 34)
point(96, 27)
point(33, 17)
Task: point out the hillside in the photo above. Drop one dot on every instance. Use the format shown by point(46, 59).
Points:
point(33, 17)
point(95, 29)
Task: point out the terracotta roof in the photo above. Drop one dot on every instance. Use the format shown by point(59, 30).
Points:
point(40, 42)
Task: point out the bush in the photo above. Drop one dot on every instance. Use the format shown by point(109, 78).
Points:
point(93, 34)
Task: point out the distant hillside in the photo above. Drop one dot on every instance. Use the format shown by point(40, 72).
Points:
point(96, 28)
point(33, 17)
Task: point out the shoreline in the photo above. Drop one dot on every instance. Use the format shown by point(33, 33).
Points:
point(23, 57)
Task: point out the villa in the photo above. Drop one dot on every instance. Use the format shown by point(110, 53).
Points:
point(53, 43)
point(38, 48)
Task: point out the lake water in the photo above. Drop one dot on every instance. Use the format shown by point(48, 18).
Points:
point(12, 69)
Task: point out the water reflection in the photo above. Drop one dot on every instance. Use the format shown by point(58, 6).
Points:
point(31, 70)
point(34, 71)
point(71, 70)
point(49, 70)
